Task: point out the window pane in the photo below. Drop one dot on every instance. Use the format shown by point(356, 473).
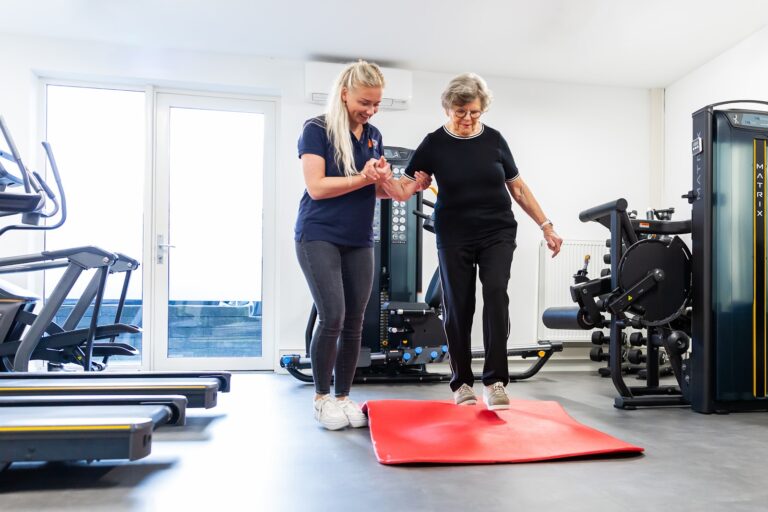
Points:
point(99, 137)
point(215, 281)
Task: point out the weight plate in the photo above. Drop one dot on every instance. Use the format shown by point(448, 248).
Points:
point(668, 298)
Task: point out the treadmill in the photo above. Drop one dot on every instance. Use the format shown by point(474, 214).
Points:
point(61, 416)
point(199, 388)
point(200, 392)
point(176, 404)
point(85, 432)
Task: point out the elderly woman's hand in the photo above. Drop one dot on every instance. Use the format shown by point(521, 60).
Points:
point(553, 240)
point(423, 180)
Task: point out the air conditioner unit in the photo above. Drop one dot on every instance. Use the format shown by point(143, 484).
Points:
point(319, 78)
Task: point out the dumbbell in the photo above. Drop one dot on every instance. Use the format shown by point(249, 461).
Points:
point(598, 338)
point(636, 356)
point(663, 372)
point(598, 355)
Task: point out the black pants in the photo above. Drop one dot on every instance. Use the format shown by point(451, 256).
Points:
point(340, 280)
point(458, 271)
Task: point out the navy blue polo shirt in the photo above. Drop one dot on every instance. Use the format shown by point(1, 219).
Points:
point(346, 219)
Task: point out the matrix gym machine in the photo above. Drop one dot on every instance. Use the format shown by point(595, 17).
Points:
point(705, 308)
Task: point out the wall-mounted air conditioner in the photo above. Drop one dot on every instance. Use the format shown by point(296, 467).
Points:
point(319, 78)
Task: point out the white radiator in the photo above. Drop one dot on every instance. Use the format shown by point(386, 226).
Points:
point(556, 278)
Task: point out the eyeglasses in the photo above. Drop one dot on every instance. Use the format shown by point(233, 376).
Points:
point(461, 113)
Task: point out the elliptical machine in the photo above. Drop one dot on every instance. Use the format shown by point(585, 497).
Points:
point(26, 335)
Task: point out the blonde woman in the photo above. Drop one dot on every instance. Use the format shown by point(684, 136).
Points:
point(341, 156)
point(475, 230)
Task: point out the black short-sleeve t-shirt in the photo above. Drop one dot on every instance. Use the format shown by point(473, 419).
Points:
point(473, 202)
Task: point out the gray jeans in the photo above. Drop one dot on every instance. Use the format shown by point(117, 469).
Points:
point(340, 280)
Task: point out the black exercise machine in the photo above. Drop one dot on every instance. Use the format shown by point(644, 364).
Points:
point(401, 335)
point(706, 308)
point(648, 287)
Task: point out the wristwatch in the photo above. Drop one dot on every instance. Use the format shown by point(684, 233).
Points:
point(544, 224)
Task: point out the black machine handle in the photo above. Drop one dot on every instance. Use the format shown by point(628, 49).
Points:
point(603, 210)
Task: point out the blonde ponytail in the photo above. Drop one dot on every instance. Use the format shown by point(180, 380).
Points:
point(359, 74)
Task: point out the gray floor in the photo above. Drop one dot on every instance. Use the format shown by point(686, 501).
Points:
point(261, 450)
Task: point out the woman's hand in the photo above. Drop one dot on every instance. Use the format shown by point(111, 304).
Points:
point(553, 240)
point(423, 180)
point(370, 171)
point(383, 169)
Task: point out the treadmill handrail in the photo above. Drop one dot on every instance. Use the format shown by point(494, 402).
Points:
point(59, 254)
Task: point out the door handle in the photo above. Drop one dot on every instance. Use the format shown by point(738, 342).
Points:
point(162, 247)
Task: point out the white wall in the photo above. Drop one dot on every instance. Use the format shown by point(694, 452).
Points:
point(576, 146)
point(739, 73)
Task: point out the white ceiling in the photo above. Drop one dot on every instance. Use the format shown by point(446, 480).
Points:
point(638, 43)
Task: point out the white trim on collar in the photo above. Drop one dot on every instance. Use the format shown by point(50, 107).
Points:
point(449, 132)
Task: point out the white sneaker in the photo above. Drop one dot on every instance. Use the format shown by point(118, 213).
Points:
point(355, 416)
point(495, 397)
point(464, 396)
point(329, 414)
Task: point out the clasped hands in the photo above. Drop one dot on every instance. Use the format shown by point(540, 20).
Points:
point(379, 171)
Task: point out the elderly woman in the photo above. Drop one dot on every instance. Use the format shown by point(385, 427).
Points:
point(475, 229)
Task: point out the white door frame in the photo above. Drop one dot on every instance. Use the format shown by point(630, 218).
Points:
point(156, 224)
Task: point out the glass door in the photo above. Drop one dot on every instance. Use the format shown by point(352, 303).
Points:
point(214, 183)
point(98, 135)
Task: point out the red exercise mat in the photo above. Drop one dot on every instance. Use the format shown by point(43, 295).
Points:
point(420, 431)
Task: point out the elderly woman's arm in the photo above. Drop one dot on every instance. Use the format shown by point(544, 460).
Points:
point(524, 197)
point(402, 189)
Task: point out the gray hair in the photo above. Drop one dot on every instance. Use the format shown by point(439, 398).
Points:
point(464, 89)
